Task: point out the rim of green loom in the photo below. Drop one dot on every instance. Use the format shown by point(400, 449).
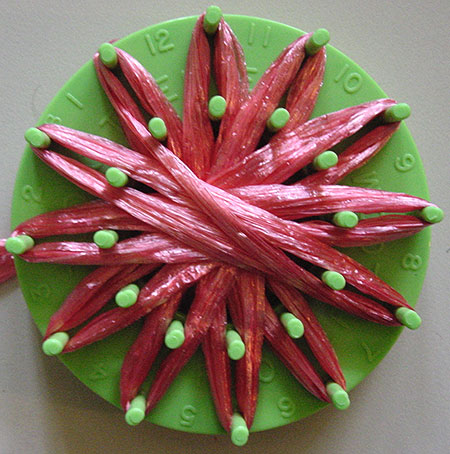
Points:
point(188, 405)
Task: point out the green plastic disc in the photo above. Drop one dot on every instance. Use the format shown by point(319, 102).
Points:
point(188, 405)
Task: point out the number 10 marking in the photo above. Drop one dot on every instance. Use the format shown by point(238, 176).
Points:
point(352, 81)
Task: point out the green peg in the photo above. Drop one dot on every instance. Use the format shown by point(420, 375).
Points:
point(116, 177)
point(432, 214)
point(278, 119)
point(108, 55)
point(216, 107)
point(157, 128)
point(325, 160)
point(318, 39)
point(293, 325)
point(174, 335)
point(212, 19)
point(55, 344)
point(347, 219)
point(235, 345)
point(37, 138)
point(398, 112)
point(338, 396)
point(136, 412)
point(333, 279)
point(239, 430)
point(127, 296)
point(106, 239)
point(407, 317)
point(19, 244)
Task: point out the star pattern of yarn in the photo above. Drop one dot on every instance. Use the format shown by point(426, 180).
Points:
point(230, 215)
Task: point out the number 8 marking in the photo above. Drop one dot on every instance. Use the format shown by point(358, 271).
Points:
point(412, 262)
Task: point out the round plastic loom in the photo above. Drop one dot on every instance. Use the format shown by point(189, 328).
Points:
point(188, 406)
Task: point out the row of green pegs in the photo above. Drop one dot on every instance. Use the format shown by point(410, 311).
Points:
point(175, 335)
point(137, 410)
point(239, 432)
point(407, 317)
point(217, 107)
point(278, 119)
point(214, 15)
point(128, 296)
point(347, 219)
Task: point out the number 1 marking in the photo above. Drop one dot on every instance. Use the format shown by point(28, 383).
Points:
point(74, 100)
point(251, 34)
point(267, 32)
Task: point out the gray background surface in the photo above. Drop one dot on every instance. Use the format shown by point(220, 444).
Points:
point(403, 406)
